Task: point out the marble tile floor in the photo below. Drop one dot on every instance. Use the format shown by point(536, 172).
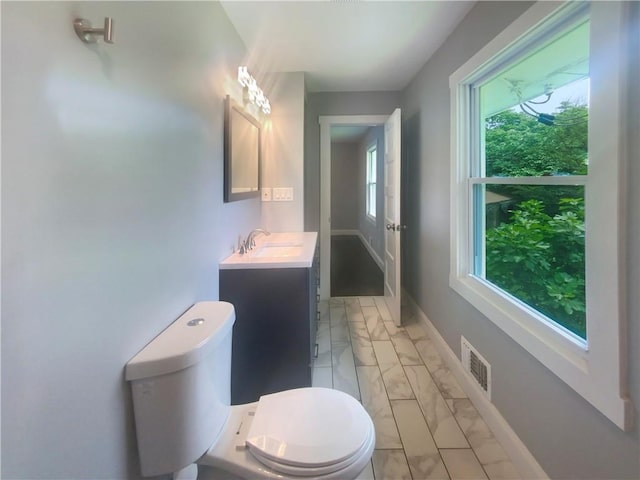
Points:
point(426, 427)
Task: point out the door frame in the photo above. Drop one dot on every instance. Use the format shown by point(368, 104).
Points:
point(326, 122)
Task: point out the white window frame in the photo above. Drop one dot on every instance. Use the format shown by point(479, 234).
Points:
point(369, 184)
point(596, 369)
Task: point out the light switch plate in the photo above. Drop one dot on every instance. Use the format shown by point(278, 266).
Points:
point(283, 194)
point(278, 194)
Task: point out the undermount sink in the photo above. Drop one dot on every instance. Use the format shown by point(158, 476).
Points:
point(278, 250)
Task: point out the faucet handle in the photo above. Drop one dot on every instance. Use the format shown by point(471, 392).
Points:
point(242, 249)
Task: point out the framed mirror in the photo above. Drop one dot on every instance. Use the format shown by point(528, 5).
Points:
point(242, 153)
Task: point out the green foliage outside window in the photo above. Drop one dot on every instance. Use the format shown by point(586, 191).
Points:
point(536, 251)
point(519, 146)
point(540, 260)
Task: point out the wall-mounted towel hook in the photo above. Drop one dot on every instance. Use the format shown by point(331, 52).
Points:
point(87, 33)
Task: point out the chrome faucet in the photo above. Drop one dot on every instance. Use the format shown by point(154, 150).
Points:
point(249, 243)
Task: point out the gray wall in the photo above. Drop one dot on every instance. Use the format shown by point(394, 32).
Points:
point(345, 181)
point(332, 103)
point(283, 151)
point(373, 232)
point(633, 232)
point(112, 215)
point(569, 438)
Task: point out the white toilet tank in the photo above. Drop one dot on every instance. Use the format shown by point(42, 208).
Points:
point(181, 384)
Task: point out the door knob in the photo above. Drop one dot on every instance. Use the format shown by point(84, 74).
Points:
point(401, 227)
point(391, 226)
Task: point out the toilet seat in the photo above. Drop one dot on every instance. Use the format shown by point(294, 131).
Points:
point(310, 432)
point(318, 472)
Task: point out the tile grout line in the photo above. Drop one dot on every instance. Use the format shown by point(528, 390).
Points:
point(416, 398)
point(377, 365)
point(423, 363)
point(358, 379)
point(422, 412)
point(404, 451)
point(455, 419)
point(475, 454)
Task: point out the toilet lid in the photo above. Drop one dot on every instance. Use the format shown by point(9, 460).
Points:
point(309, 427)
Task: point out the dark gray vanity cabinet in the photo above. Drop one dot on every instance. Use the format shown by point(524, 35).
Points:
point(275, 329)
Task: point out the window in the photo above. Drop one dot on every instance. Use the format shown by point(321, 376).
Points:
point(528, 177)
point(535, 192)
point(371, 182)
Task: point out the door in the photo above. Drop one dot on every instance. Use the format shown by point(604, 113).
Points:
point(393, 227)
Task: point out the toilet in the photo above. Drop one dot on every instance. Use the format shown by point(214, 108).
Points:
point(181, 386)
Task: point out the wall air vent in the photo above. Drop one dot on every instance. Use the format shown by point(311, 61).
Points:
point(476, 366)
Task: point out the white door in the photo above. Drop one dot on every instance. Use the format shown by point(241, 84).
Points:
point(392, 215)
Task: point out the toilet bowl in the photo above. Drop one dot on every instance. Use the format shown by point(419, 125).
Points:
point(181, 390)
point(308, 432)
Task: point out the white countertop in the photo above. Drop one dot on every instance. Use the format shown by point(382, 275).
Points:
point(278, 250)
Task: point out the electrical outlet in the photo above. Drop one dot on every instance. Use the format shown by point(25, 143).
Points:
point(266, 194)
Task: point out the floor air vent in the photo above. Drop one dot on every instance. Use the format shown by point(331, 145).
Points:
point(476, 366)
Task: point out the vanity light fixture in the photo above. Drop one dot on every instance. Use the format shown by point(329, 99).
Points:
point(256, 95)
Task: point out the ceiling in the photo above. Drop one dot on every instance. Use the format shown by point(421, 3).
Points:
point(344, 45)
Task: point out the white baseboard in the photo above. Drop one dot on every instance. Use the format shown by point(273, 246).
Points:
point(372, 252)
point(359, 234)
point(523, 460)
